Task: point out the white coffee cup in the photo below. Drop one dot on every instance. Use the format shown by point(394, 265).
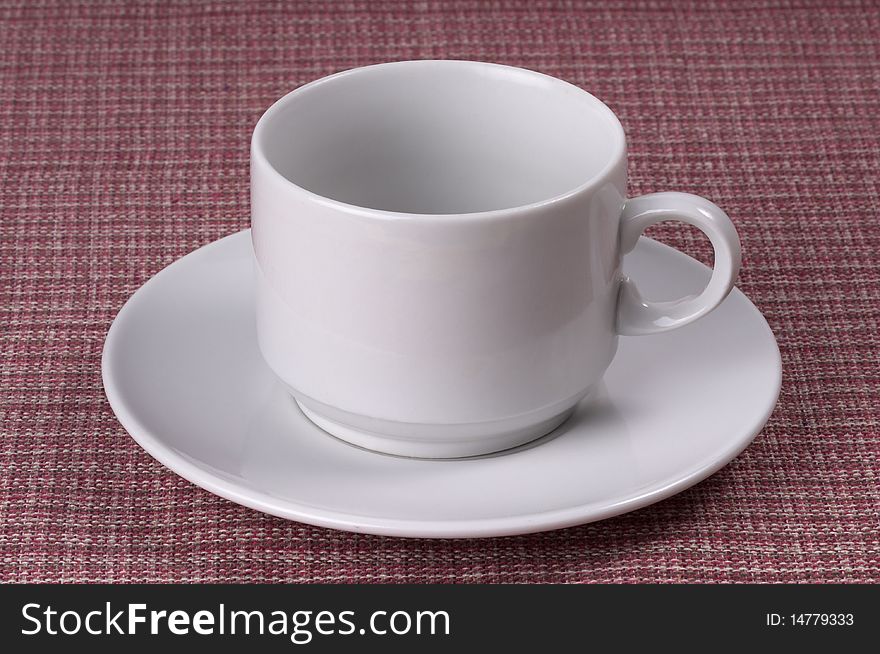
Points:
point(438, 249)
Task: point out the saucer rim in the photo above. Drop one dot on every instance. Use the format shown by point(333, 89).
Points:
point(508, 525)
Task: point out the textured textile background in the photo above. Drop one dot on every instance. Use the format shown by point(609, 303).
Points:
point(124, 134)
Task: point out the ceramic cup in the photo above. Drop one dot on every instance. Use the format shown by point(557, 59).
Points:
point(438, 251)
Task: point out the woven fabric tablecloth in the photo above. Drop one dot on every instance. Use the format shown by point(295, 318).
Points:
point(124, 136)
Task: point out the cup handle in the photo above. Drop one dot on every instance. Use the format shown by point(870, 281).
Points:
point(636, 316)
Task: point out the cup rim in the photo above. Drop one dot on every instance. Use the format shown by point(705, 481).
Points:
point(619, 155)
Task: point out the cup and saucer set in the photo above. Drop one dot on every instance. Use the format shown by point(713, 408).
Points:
point(444, 321)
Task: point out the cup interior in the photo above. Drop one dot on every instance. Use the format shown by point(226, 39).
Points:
point(439, 137)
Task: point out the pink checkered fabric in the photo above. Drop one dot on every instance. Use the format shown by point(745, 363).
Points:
point(124, 134)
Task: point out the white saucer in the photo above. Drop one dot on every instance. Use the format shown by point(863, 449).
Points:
point(183, 373)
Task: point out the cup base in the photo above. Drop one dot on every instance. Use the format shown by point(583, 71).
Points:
point(414, 445)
